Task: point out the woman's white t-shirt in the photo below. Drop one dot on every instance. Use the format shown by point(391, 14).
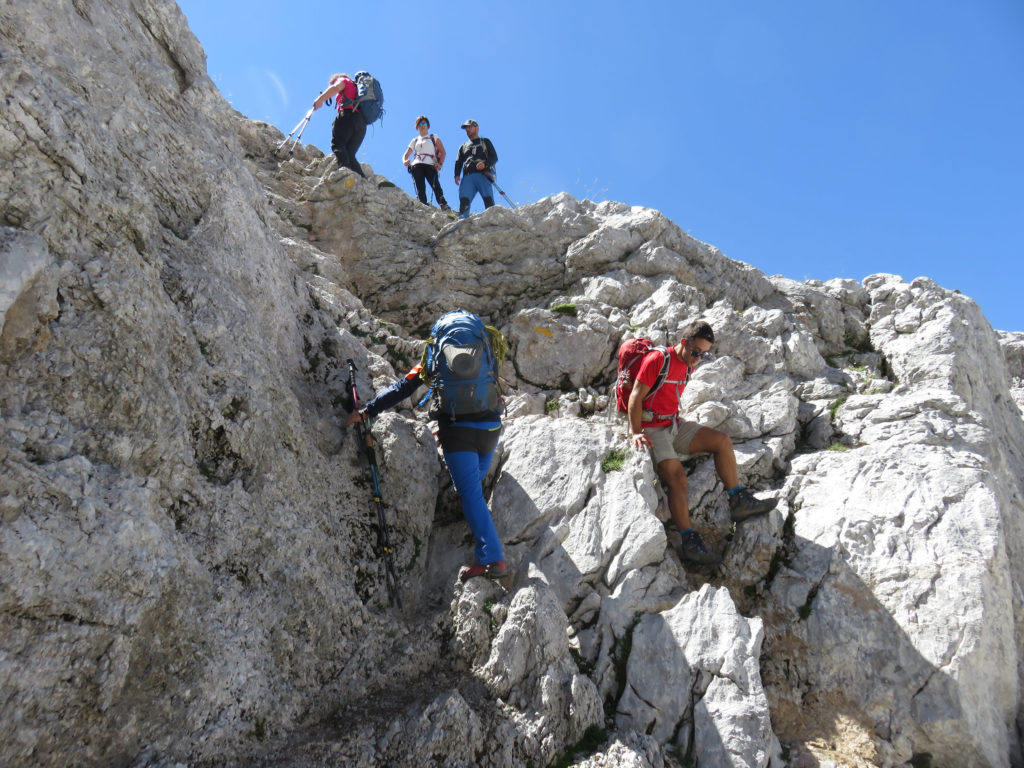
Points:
point(423, 150)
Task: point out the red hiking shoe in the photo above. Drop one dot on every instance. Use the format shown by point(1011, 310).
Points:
point(496, 571)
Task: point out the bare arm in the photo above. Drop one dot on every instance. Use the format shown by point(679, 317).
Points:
point(332, 90)
point(635, 413)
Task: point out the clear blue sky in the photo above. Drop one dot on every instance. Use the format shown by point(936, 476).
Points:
point(810, 139)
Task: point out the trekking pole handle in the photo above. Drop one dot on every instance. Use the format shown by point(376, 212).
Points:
point(352, 384)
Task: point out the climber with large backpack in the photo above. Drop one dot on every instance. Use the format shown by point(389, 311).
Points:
point(460, 365)
point(651, 380)
point(360, 102)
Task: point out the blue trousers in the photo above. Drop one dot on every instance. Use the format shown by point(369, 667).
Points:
point(469, 186)
point(468, 452)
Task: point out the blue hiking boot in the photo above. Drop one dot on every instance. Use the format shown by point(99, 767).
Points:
point(744, 504)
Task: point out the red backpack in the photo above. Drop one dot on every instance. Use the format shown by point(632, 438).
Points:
point(631, 355)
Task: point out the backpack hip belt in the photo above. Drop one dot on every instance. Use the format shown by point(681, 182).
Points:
point(649, 416)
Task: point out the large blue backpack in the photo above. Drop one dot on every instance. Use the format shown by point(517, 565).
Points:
point(460, 365)
point(370, 97)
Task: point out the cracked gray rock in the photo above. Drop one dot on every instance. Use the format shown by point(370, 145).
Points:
point(191, 572)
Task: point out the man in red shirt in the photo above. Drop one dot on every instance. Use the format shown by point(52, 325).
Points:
point(654, 422)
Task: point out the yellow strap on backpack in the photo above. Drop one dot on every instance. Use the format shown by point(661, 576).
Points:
point(499, 347)
point(424, 374)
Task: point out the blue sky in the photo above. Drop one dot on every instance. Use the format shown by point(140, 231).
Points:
point(810, 139)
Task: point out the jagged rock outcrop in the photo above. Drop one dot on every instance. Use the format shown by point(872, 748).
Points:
point(187, 564)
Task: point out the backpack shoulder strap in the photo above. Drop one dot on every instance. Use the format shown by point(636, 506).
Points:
point(663, 374)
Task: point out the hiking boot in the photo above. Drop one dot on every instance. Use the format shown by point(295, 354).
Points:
point(495, 571)
point(692, 549)
point(744, 504)
point(445, 208)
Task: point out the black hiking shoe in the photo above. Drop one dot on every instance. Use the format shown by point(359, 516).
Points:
point(744, 504)
point(692, 549)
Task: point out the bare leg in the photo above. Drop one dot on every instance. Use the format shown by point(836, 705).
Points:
point(718, 444)
point(673, 476)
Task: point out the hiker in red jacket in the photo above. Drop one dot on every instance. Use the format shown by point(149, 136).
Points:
point(654, 423)
point(349, 128)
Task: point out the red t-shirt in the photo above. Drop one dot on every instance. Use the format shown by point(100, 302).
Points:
point(349, 91)
point(666, 399)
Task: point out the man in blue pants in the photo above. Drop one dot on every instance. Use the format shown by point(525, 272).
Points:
point(467, 442)
point(474, 169)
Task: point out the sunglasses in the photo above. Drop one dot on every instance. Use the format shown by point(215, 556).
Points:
point(696, 354)
point(419, 124)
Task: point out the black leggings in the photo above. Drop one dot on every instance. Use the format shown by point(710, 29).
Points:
point(347, 135)
point(423, 174)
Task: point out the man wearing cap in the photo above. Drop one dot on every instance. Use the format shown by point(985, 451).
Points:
point(474, 169)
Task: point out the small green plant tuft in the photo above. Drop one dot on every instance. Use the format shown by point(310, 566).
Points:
point(805, 609)
point(836, 405)
point(551, 406)
point(838, 447)
point(564, 309)
point(614, 460)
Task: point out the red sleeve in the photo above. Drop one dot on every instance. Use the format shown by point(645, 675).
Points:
point(650, 367)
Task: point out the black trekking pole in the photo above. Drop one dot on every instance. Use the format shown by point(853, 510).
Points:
point(491, 178)
point(383, 538)
point(300, 128)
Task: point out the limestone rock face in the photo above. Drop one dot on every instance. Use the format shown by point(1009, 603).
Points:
point(191, 570)
point(693, 678)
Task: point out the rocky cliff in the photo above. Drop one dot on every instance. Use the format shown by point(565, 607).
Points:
point(188, 573)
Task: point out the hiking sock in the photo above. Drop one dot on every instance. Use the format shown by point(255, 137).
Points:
point(733, 491)
point(488, 201)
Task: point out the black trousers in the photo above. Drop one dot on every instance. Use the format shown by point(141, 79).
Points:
point(346, 137)
point(423, 174)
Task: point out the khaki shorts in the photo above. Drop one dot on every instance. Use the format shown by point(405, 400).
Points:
point(672, 441)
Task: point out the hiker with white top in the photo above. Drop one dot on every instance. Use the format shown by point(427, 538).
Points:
point(424, 158)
